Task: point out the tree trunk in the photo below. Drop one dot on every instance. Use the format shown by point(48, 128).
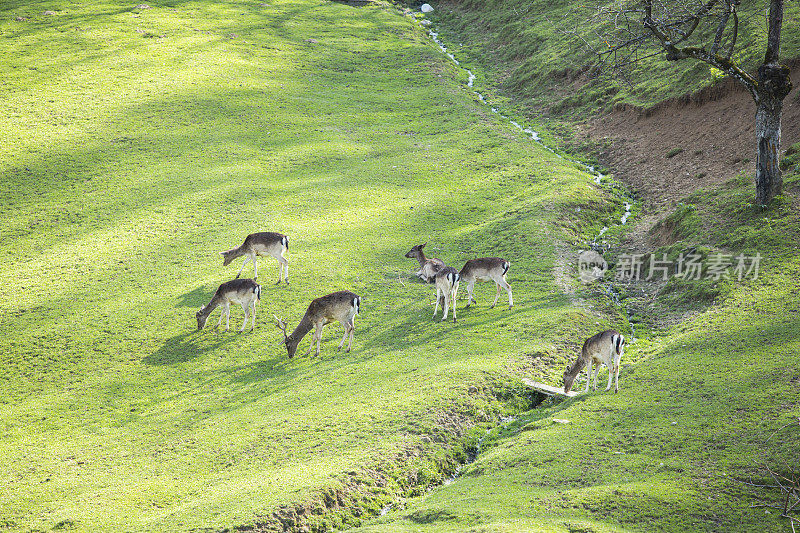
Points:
point(774, 84)
point(768, 135)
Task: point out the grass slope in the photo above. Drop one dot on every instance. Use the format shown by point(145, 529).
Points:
point(697, 413)
point(695, 417)
point(138, 144)
point(532, 51)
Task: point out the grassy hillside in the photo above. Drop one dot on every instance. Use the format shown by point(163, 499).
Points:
point(532, 51)
point(701, 412)
point(141, 142)
point(693, 424)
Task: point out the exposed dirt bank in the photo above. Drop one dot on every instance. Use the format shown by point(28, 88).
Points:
point(703, 139)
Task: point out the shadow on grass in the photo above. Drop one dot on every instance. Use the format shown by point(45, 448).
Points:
point(187, 346)
point(194, 298)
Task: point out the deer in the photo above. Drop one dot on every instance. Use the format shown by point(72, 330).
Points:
point(244, 292)
point(255, 244)
point(605, 348)
point(342, 306)
point(446, 280)
point(485, 269)
point(427, 267)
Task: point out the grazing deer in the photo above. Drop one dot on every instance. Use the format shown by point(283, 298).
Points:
point(244, 292)
point(485, 269)
point(447, 280)
point(342, 306)
point(427, 267)
point(255, 244)
point(605, 348)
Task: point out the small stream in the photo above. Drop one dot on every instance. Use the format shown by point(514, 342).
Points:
point(598, 176)
point(596, 244)
point(471, 458)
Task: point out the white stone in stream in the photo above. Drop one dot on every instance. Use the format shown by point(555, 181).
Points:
point(426, 8)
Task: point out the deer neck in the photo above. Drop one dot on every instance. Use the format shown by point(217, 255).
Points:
point(233, 253)
point(300, 331)
point(421, 258)
point(215, 301)
point(575, 369)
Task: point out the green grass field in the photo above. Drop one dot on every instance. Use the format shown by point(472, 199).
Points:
point(140, 143)
point(693, 423)
point(137, 144)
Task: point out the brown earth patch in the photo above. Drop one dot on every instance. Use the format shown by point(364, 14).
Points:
point(687, 143)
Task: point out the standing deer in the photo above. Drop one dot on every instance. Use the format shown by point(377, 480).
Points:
point(427, 267)
point(342, 306)
point(447, 280)
point(244, 292)
point(485, 269)
point(255, 244)
point(605, 348)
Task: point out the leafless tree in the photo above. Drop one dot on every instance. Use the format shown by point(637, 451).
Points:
point(630, 30)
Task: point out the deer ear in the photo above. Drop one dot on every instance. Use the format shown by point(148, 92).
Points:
point(421, 246)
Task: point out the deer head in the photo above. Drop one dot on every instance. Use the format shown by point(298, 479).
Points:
point(291, 345)
point(201, 318)
point(569, 378)
point(415, 252)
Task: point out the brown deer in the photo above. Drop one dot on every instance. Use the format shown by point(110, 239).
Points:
point(342, 306)
point(485, 269)
point(255, 244)
point(605, 348)
point(427, 267)
point(244, 292)
point(447, 280)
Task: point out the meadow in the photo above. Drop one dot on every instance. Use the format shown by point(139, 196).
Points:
point(137, 144)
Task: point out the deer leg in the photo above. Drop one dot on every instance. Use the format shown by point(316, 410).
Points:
point(470, 287)
point(319, 339)
point(226, 310)
point(311, 347)
point(254, 259)
point(588, 376)
point(596, 372)
point(507, 287)
point(346, 331)
point(286, 267)
point(446, 305)
point(454, 300)
point(246, 309)
point(253, 325)
point(610, 376)
point(246, 259)
point(438, 292)
point(350, 342)
point(497, 294)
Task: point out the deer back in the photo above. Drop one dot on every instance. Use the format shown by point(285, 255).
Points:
point(484, 268)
